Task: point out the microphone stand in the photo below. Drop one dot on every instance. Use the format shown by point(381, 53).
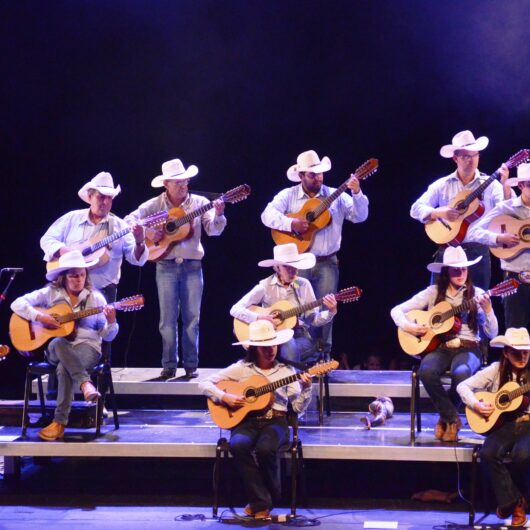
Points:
point(4, 292)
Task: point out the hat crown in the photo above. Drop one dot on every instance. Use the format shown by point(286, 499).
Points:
point(308, 159)
point(173, 167)
point(287, 253)
point(517, 336)
point(72, 260)
point(103, 179)
point(523, 171)
point(453, 255)
point(261, 330)
point(463, 138)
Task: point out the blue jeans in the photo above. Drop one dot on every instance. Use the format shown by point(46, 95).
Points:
point(179, 293)
point(72, 364)
point(324, 278)
point(301, 348)
point(462, 363)
point(511, 437)
point(517, 306)
point(261, 479)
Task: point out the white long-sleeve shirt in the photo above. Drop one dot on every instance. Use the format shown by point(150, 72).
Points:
point(191, 247)
point(76, 227)
point(350, 207)
point(91, 329)
point(242, 370)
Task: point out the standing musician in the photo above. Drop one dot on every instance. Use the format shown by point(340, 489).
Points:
point(285, 284)
point(464, 149)
point(309, 173)
point(516, 307)
point(513, 435)
point(461, 353)
point(179, 274)
point(73, 355)
point(263, 433)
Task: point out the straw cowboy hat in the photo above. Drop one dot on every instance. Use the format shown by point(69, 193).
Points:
point(103, 183)
point(464, 140)
point(517, 338)
point(308, 161)
point(71, 260)
point(453, 257)
point(523, 175)
point(262, 333)
point(288, 255)
point(174, 170)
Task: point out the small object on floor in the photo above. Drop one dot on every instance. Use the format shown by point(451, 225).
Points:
point(89, 391)
point(451, 431)
point(435, 496)
point(381, 409)
point(191, 373)
point(168, 373)
point(262, 514)
point(54, 431)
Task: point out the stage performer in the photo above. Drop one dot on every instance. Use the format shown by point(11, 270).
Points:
point(517, 306)
point(510, 483)
point(309, 173)
point(73, 355)
point(262, 433)
point(464, 149)
point(179, 273)
point(285, 284)
point(460, 353)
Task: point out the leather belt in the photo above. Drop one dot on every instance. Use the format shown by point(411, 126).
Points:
point(271, 413)
point(324, 258)
point(461, 343)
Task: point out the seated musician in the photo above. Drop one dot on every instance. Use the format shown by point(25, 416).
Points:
point(285, 284)
point(265, 432)
point(510, 484)
point(73, 355)
point(460, 353)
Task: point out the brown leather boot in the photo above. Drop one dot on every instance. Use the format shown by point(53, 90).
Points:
point(439, 429)
point(54, 431)
point(89, 391)
point(519, 514)
point(451, 432)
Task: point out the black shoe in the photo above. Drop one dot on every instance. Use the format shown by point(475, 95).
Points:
point(191, 373)
point(168, 373)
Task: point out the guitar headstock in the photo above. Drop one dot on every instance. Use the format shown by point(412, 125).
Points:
point(350, 294)
point(367, 169)
point(236, 194)
point(323, 368)
point(131, 303)
point(157, 219)
point(521, 156)
point(505, 288)
point(4, 351)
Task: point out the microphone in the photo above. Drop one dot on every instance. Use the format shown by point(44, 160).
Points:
point(13, 269)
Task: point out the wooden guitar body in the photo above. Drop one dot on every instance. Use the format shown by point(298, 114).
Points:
point(101, 255)
point(305, 240)
point(508, 224)
point(173, 232)
point(227, 418)
point(444, 232)
point(28, 336)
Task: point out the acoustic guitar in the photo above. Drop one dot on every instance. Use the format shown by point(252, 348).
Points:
point(27, 336)
point(96, 247)
point(178, 224)
point(287, 314)
point(469, 206)
point(316, 211)
point(509, 398)
point(441, 319)
point(258, 393)
point(506, 224)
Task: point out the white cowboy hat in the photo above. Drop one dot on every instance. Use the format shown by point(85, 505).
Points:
point(103, 183)
point(464, 140)
point(523, 175)
point(288, 255)
point(308, 161)
point(453, 257)
point(262, 333)
point(71, 260)
point(174, 170)
point(517, 338)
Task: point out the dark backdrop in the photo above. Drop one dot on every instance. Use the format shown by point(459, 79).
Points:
point(240, 88)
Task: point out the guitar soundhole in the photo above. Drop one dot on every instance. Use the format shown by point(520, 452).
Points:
point(524, 233)
point(250, 395)
point(436, 321)
point(461, 206)
point(310, 217)
point(171, 227)
point(503, 401)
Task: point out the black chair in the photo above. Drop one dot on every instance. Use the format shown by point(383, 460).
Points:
point(293, 448)
point(36, 370)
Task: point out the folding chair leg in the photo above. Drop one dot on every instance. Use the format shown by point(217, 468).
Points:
point(25, 411)
point(113, 400)
point(473, 487)
point(320, 400)
point(220, 451)
point(326, 395)
point(413, 383)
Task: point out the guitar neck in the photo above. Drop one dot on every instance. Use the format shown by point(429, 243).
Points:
point(271, 387)
point(523, 389)
point(464, 306)
point(478, 191)
point(196, 213)
point(326, 203)
point(300, 309)
point(105, 241)
point(77, 315)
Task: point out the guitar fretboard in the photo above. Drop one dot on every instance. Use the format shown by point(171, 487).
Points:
point(523, 389)
point(271, 387)
point(181, 221)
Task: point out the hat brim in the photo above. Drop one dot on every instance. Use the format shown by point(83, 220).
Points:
point(448, 151)
point(305, 261)
point(104, 190)
point(515, 180)
point(294, 170)
point(158, 182)
point(282, 337)
point(53, 274)
point(437, 267)
point(501, 341)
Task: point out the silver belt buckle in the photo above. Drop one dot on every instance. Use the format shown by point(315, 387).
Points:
point(524, 276)
point(179, 260)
